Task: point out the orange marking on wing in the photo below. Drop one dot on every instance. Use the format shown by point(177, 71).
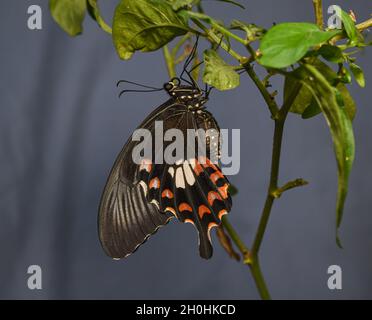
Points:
point(223, 191)
point(146, 164)
point(167, 194)
point(170, 209)
point(211, 164)
point(222, 213)
point(215, 176)
point(203, 210)
point(208, 163)
point(154, 183)
point(212, 195)
point(198, 168)
point(184, 207)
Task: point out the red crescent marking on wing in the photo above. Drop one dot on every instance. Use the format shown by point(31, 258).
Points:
point(215, 176)
point(167, 194)
point(212, 195)
point(223, 191)
point(198, 168)
point(184, 207)
point(222, 213)
point(203, 210)
point(211, 164)
point(154, 183)
point(208, 163)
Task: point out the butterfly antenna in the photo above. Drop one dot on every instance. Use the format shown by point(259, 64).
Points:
point(189, 59)
point(189, 74)
point(151, 89)
point(196, 66)
point(208, 90)
point(130, 90)
point(135, 83)
point(192, 53)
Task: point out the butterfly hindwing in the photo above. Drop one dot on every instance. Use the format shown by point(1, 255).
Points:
point(193, 190)
point(139, 197)
point(128, 220)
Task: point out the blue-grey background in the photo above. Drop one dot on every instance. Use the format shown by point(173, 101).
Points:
point(62, 125)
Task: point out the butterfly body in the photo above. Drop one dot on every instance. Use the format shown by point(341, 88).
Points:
point(139, 198)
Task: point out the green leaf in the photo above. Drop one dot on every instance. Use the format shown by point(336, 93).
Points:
point(305, 96)
point(218, 73)
point(350, 28)
point(344, 75)
point(69, 14)
point(253, 32)
point(179, 4)
point(93, 9)
point(145, 25)
point(312, 110)
point(331, 53)
point(232, 2)
point(340, 127)
point(202, 16)
point(348, 101)
point(287, 43)
point(339, 98)
point(358, 74)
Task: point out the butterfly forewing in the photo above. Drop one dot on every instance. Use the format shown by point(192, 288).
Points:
point(126, 219)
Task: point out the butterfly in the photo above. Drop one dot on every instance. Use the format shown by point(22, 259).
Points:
point(139, 198)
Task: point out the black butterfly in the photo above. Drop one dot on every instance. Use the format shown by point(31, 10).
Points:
point(140, 198)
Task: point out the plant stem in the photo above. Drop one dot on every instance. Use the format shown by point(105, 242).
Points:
point(273, 107)
point(254, 266)
point(274, 175)
point(279, 116)
point(169, 61)
point(179, 44)
point(218, 40)
point(273, 185)
point(259, 280)
point(288, 186)
point(216, 26)
point(235, 237)
point(364, 25)
point(318, 9)
point(199, 7)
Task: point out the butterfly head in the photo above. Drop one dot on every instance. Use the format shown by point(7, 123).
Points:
point(186, 94)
